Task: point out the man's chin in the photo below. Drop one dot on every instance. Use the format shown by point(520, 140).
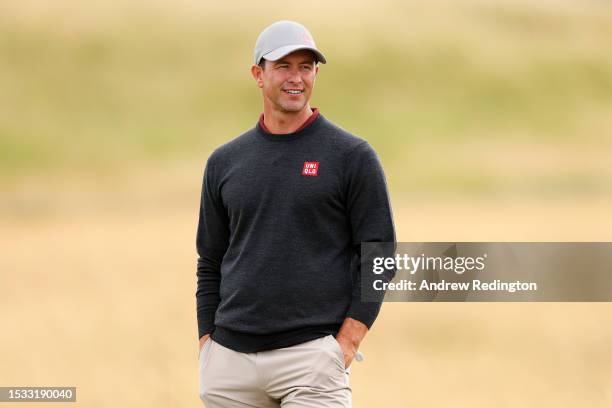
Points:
point(292, 108)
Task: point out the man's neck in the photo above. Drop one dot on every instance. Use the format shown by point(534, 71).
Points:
point(285, 122)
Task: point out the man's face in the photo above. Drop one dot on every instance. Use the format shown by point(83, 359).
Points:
point(287, 83)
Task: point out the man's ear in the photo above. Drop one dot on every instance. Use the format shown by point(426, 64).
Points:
point(257, 73)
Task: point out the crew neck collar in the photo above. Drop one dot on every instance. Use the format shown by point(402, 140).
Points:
point(310, 123)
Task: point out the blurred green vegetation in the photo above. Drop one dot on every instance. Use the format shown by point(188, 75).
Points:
point(474, 99)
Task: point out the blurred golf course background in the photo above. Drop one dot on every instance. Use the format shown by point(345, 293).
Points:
point(493, 121)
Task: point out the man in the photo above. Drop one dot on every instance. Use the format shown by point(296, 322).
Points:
point(284, 209)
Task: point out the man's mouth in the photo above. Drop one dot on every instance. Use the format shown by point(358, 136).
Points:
point(294, 91)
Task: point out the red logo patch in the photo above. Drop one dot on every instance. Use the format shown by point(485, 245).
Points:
point(310, 169)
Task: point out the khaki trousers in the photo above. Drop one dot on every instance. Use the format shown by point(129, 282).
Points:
point(307, 375)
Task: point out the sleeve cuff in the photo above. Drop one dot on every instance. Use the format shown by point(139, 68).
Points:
point(365, 312)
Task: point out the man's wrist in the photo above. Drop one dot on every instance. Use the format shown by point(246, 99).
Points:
point(204, 338)
point(352, 331)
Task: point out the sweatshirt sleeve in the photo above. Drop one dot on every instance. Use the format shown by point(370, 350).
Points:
point(212, 241)
point(370, 218)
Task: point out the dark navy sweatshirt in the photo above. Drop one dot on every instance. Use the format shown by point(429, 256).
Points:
point(281, 221)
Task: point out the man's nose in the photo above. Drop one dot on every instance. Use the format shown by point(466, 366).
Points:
point(295, 76)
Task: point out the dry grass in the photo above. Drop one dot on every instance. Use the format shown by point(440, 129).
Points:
point(99, 293)
point(492, 122)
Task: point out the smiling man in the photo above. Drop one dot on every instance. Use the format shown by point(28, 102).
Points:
point(284, 209)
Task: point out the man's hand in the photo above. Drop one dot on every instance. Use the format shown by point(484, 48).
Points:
point(349, 337)
point(202, 341)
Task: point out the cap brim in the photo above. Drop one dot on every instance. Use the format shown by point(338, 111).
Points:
point(288, 49)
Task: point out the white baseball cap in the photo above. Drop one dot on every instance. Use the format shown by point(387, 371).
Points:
point(282, 38)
